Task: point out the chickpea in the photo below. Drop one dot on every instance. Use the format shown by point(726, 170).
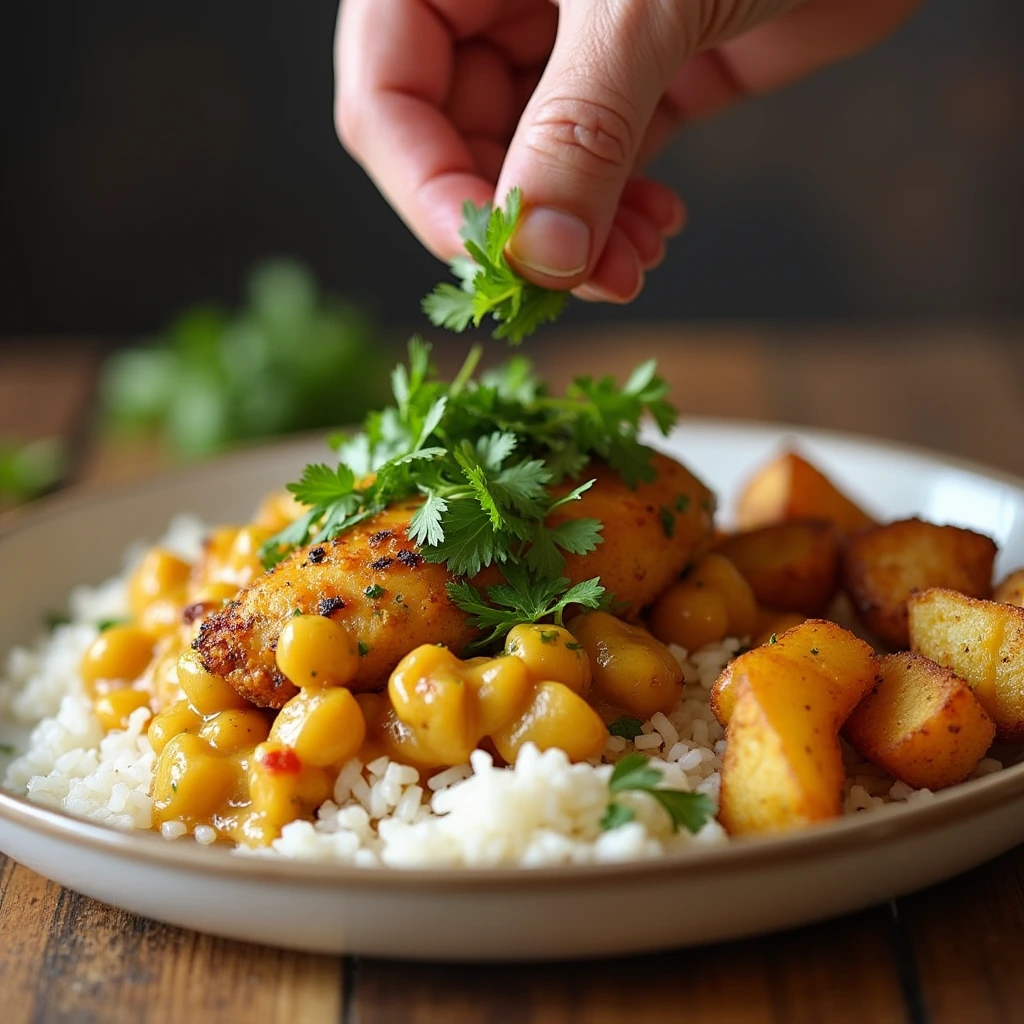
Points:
point(278, 510)
point(191, 782)
point(283, 788)
point(556, 717)
point(631, 669)
point(430, 694)
point(315, 651)
point(244, 557)
point(324, 727)
point(719, 573)
point(114, 708)
point(387, 734)
point(119, 654)
point(713, 602)
point(234, 730)
point(173, 721)
point(206, 692)
point(690, 615)
point(160, 574)
point(213, 596)
point(551, 653)
point(502, 688)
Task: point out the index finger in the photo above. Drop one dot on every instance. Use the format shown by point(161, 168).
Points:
point(393, 67)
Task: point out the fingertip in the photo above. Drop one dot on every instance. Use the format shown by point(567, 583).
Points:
point(618, 277)
point(657, 202)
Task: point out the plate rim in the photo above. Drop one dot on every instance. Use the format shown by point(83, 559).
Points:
point(845, 835)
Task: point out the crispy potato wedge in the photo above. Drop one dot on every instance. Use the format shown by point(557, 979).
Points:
point(791, 566)
point(784, 704)
point(1011, 589)
point(983, 643)
point(844, 662)
point(921, 723)
point(884, 565)
point(790, 487)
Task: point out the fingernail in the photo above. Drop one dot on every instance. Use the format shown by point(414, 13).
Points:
point(551, 242)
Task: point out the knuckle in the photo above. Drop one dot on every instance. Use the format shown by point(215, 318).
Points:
point(594, 136)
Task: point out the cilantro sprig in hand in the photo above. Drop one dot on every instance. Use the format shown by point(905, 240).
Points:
point(490, 459)
point(490, 287)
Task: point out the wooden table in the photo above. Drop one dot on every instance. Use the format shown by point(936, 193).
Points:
point(951, 954)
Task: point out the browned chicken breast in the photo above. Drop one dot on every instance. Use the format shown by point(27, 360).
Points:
point(372, 581)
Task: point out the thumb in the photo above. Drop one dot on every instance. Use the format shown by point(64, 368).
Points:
point(579, 135)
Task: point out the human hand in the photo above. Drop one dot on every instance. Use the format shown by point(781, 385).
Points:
point(447, 100)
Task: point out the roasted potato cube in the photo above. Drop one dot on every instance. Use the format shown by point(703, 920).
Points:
point(792, 566)
point(786, 702)
point(844, 662)
point(983, 643)
point(1011, 589)
point(883, 566)
point(772, 622)
point(789, 487)
point(921, 723)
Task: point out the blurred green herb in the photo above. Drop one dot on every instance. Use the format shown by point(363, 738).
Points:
point(29, 469)
point(290, 359)
point(8, 750)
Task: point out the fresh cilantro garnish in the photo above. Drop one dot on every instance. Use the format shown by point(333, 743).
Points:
point(773, 639)
point(104, 624)
point(522, 598)
point(626, 727)
point(54, 619)
point(682, 503)
point(8, 749)
point(634, 773)
point(374, 591)
point(493, 461)
point(489, 285)
point(363, 648)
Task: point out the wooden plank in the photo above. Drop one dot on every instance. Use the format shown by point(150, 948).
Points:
point(841, 971)
point(967, 939)
point(67, 957)
point(28, 905)
point(45, 389)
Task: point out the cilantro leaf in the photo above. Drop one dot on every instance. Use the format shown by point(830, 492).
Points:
point(626, 727)
point(615, 816)
point(490, 287)
point(321, 485)
point(482, 456)
point(523, 597)
point(425, 525)
point(634, 773)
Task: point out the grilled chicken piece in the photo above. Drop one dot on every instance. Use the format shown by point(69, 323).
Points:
point(372, 581)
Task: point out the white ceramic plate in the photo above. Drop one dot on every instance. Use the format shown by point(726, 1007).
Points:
point(709, 894)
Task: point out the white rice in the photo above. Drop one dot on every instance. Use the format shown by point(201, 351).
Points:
point(546, 810)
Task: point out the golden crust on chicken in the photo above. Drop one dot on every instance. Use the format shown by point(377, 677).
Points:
point(373, 581)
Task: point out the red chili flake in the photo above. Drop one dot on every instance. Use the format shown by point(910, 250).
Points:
point(281, 762)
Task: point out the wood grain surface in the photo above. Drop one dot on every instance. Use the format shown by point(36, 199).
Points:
point(950, 954)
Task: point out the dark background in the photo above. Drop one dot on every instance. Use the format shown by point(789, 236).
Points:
point(154, 151)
